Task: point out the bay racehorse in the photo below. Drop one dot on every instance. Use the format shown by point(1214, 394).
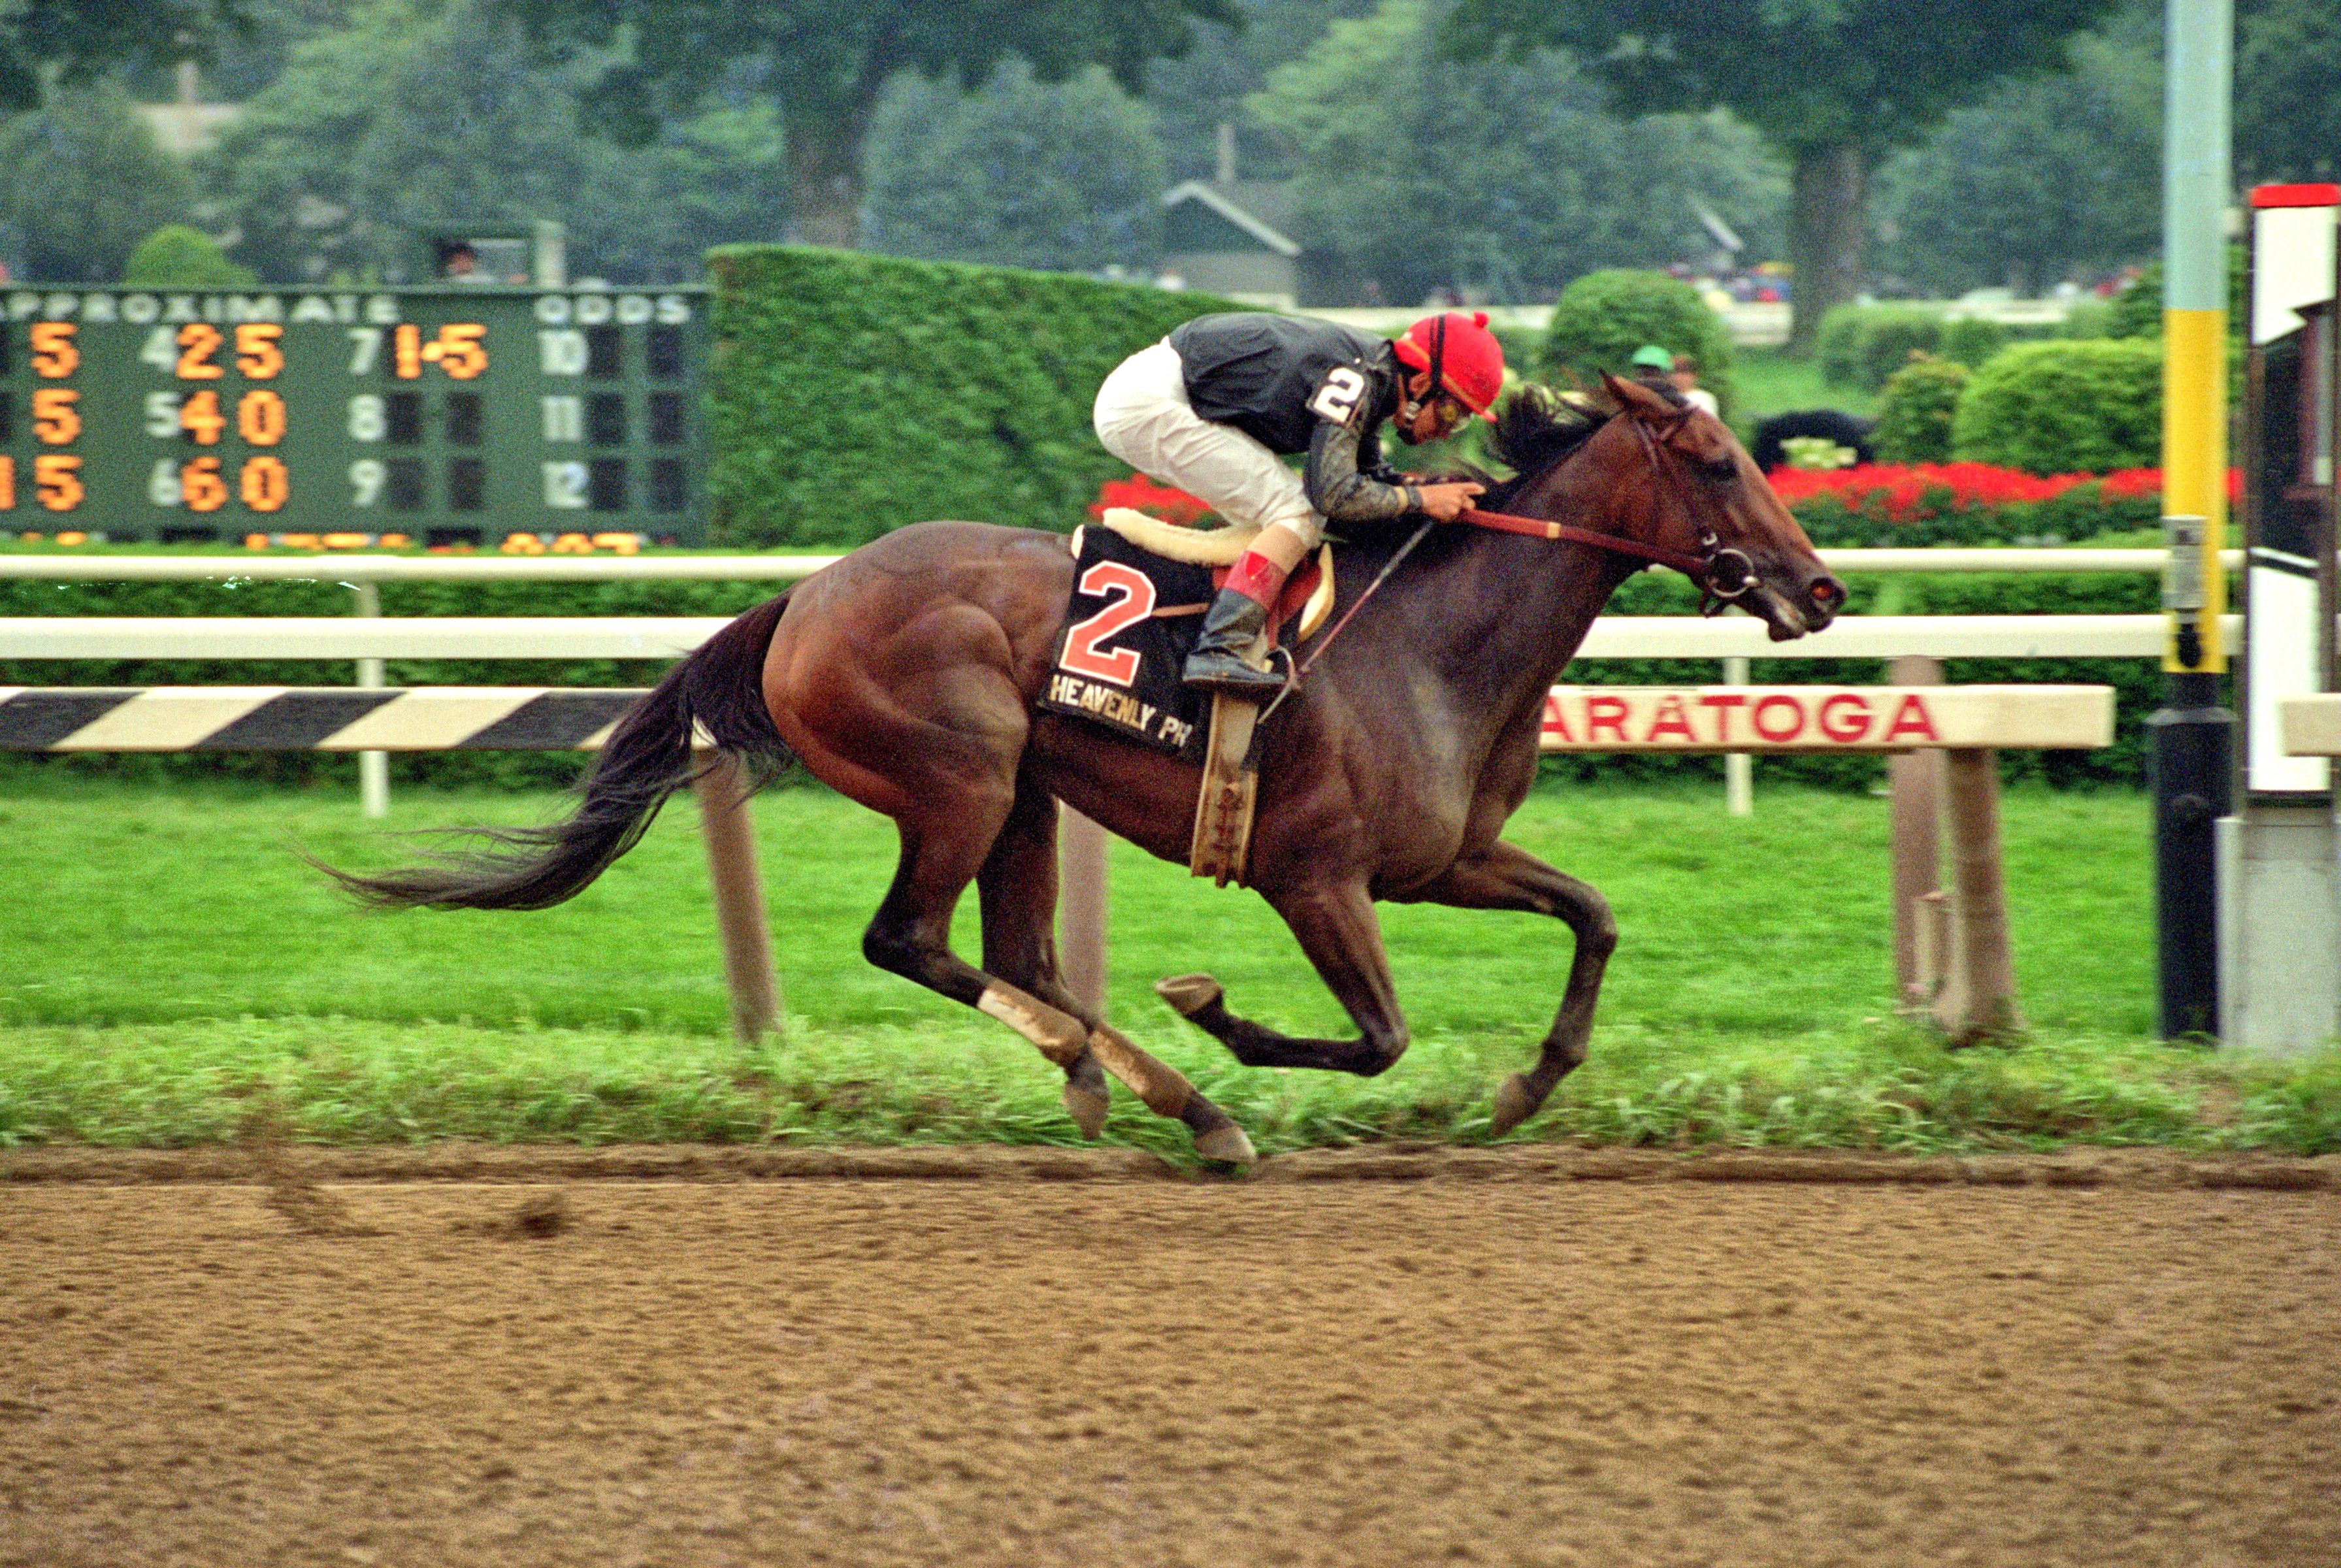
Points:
point(905, 676)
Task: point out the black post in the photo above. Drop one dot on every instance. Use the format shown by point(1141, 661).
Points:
point(2193, 765)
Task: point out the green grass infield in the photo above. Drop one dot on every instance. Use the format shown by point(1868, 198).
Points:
point(170, 974)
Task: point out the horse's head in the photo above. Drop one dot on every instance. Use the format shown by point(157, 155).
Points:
point(1709, 501)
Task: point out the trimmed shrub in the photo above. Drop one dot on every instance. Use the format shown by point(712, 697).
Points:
point(1600, 319)
point(177, 256)
point(1862, 344)
point(1969, 340)
point(2089, 318)
point(1914, 413)
point(2137, 311)
point(850, 394)
point(2064, 407)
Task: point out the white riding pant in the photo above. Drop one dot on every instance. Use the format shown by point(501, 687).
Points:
point(1144, 418)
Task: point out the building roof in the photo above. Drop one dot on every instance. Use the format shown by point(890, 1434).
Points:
point(1225, 203)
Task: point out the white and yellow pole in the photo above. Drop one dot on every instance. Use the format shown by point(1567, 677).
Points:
point(2192, 735)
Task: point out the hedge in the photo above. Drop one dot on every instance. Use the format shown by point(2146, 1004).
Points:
point(850, 394)
point(1915, 409)
point(1601, 318)
point(1862, 344)
point(2064, 407)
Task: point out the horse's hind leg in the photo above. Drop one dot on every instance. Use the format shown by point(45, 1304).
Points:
point(910, 937)
point(1509, 878)
point(1018, 890)
point(1337, 929)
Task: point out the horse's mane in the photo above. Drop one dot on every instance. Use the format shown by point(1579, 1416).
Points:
point(1539, 428)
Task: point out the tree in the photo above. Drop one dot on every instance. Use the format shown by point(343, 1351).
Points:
point(86, 183)
point(1208, 86)
point(2288, 92)
point(1990, 197)
point(1420, 176)
point(1833, 85)
point(1059, 178)
point(48, 44)
point(419, 119)
point(826, 65)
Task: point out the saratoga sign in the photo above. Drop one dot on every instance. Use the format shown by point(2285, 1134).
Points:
point(1824, 718)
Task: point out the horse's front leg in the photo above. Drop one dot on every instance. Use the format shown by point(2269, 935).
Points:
point(1504, 877)
point(1337, 929)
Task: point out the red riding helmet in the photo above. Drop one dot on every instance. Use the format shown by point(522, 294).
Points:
point(1463, 355)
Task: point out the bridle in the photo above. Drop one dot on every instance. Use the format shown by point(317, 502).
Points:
point(1724, 573)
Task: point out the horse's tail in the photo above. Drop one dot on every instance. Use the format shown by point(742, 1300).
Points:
point(718, 689)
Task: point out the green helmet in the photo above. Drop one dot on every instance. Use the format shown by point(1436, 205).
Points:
point(1652, 354)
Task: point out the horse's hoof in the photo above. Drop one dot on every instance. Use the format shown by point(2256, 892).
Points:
point(1226, 1143)
point(1189, 994)
point(1087, 1104)
point(1515, 1104)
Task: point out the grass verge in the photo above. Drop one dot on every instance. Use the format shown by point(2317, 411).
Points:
point(175, 976)
point(1884, 1087)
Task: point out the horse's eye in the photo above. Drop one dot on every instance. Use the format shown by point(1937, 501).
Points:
point(1724, 468)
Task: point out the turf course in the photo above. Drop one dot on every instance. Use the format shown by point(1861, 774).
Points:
point(170, 972)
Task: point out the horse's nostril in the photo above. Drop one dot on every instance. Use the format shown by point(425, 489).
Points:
point(1828, 594)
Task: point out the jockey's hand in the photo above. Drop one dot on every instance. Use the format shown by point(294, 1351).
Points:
point(1446, 502)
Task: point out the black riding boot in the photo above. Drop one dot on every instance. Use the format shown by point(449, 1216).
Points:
point(1218, 663)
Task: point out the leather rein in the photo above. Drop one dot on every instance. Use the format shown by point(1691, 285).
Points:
point(1722, 573)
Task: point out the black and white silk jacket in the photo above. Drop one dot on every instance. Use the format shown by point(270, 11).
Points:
point(1310, 387)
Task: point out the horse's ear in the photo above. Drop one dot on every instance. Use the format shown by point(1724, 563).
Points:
point(1635, 397)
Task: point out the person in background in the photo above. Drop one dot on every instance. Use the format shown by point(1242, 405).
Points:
point(1215, 407)
point(1685, 375)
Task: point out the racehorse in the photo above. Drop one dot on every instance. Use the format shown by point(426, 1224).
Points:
point(906, 676)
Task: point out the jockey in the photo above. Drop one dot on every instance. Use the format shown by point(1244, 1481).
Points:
point(1210, 409)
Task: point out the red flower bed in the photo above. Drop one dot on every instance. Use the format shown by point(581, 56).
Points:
point(1905, 492)
point(1155, 500)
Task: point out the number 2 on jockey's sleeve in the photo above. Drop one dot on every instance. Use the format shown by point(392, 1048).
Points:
point(1337, 395)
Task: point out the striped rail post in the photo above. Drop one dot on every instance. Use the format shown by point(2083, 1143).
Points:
point(374, 720)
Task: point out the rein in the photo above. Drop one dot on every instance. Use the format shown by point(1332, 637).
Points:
point(1707, 568)
point(1723, 574)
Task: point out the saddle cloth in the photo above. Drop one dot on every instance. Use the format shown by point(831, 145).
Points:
point(1134, 617)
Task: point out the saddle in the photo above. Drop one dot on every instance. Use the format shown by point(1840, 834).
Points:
point(1141, 587)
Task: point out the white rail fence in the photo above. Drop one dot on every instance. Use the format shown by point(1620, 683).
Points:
point(1952, 963)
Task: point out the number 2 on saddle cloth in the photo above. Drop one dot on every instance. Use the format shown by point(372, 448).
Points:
point(1132, 621)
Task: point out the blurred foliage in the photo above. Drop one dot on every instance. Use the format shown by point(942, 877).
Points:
point(1971, 339)
point(2040, 179)
point(49, 44)
point(1061, 176)
point(425, 119)
point(1914, 414)
point(86, 183)
point(944, 391)
point(1507, 176)
point(2064, 407)
point(177, 256)
point(824, 67)
point(1603, 317)
point(2287, 113)
point(1862, 344)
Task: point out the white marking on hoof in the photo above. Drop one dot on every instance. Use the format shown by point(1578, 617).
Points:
point(1228, 1143)
point(1189, 994)
point(1514, 1104)
point(1061, 1039)
point(1086, 1107)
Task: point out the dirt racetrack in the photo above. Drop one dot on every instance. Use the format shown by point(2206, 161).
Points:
point(1030, 1357)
